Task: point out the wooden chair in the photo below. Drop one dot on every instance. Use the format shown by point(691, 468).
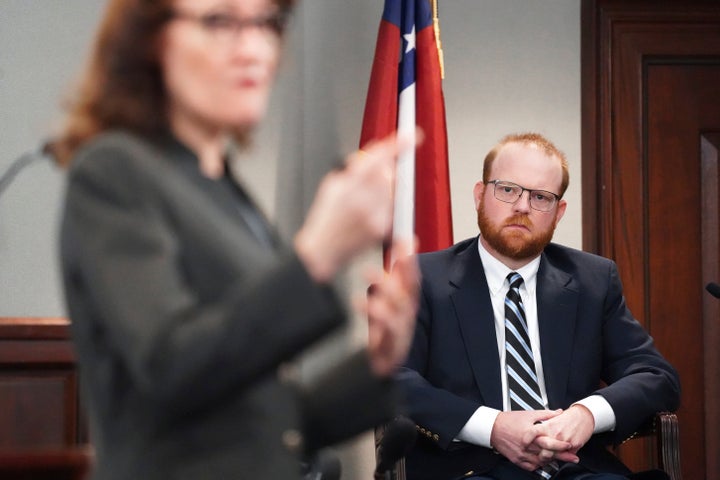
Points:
point(663, 426)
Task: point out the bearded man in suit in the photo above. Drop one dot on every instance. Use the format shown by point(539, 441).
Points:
point(591, 373)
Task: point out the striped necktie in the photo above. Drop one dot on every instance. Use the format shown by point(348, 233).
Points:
point(521, 376)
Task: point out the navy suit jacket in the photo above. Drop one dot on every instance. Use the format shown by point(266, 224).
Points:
point(591, 344)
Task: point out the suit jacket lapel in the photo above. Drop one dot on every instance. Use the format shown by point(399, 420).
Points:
point(475, 317)
point(557, 306)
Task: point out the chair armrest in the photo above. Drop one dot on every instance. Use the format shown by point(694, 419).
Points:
point(668, 444)
point(664, 427)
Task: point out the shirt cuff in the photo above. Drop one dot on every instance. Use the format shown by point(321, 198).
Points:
point(601, 411)
point(479, 426)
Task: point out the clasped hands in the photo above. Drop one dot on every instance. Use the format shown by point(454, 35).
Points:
point(533, 438)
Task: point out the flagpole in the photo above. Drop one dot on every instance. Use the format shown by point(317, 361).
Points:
point(438, 42)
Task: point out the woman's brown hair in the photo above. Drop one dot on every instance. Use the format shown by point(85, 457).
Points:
point(122, 85)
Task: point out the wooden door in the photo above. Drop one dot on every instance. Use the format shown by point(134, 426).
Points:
point(651, 133)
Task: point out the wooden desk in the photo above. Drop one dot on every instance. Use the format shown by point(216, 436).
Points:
point(67, 463)
point(39, 401)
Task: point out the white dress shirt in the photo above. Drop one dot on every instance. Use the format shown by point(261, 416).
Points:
point(479, 427)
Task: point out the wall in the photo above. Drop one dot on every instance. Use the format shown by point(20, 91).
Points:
point(42, 45)
point(511, 65)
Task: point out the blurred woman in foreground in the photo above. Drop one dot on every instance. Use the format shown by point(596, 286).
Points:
point(184, 303)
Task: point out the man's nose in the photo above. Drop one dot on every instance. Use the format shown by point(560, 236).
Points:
point(523, 203)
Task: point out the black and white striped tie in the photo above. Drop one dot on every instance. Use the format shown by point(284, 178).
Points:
point(521, 376)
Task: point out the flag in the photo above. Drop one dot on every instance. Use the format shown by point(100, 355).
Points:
point(406, 90)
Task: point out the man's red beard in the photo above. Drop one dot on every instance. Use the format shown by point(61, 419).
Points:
point(515, 244)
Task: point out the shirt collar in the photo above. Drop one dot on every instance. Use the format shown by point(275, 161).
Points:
point(496, 272)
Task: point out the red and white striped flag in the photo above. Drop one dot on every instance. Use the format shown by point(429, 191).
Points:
point(406, 90)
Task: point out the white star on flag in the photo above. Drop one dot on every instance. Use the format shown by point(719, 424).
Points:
point(410, 39)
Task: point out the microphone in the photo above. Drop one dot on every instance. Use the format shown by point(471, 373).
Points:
point(42, 153)
point(714, 289)
point(324, 465)
point(397, 441)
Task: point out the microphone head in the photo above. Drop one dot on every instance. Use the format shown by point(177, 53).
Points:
point(397, 441)
point(329, 466)
point(714, 289)
point(325, 465)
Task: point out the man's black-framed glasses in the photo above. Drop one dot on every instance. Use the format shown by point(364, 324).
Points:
point(509, 192)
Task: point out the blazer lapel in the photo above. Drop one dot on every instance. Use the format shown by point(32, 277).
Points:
point(226, 193)
point(557, 304)
point(475, 317)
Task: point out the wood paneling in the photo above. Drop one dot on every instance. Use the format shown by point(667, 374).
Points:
point(682, 101)
point(710, 239)
point(70, 463)
point(651, 91)
point(39, 402)
point(43, 433)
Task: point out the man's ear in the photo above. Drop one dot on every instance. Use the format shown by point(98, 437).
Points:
point(562, 205)
point(478, 192)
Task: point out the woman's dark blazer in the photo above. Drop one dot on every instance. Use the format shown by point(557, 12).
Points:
point(184, 322)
